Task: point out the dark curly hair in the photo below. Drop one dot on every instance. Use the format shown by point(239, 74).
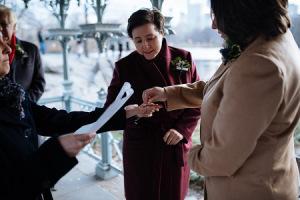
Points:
point(146, 16)
point(243, 20)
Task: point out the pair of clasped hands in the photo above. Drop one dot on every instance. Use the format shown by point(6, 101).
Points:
point(148, 107)
point(72, 144)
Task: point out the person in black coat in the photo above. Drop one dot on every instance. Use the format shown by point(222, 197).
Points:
point(27, 171)
point(25, 59)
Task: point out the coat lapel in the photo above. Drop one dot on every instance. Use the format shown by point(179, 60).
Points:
point(167, 63)
point(158, 71)
point(220, 71)
point(172, 76)
point(153, 74)
point(151, 69)
point(12, 72)
point(223, 68)
point(17, 61)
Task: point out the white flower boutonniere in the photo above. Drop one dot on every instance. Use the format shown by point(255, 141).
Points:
point(181, 64)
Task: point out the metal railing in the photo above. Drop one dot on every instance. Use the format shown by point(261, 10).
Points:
point(103, 145)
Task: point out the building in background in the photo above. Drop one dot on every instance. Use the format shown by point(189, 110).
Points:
point(198, 14)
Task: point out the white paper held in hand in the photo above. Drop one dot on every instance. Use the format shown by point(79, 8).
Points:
point(124, 94)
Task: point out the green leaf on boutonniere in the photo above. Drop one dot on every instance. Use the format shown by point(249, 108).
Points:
point(180, 64)
point(20, 51)
point(231, 51)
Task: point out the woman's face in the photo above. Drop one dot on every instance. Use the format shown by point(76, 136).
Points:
point(4, 60)
point(8, 28)
point(147, 40)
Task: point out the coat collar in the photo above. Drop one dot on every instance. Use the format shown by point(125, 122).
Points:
point(220, 71)
point(20, 47)
point(151, 67)
point(18, 58)
point(223, 68)
point(165, 55)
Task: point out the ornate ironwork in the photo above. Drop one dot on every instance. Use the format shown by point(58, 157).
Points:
point(157, 3)
point(26, 3)
point(3, 2)
point(99, 7)
point(168, 28)
point(59, 9)
point(100, 31)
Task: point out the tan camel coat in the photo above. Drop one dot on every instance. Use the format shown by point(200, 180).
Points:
point(249, 112)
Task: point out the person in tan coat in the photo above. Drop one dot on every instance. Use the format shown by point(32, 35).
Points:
point(249, 108)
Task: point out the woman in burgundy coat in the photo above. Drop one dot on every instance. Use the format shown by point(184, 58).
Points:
point(155, 149)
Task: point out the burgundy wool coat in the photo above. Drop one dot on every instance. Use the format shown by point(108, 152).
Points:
point(152, 169)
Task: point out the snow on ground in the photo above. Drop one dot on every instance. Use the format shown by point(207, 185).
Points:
point(88, 75)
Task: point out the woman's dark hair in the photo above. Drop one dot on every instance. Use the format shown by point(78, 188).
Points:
point(243, 20)
point(146, 16)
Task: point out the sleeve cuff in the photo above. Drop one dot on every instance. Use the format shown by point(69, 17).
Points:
point(172, 95)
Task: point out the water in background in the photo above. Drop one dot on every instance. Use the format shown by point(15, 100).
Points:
point(207, 60)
